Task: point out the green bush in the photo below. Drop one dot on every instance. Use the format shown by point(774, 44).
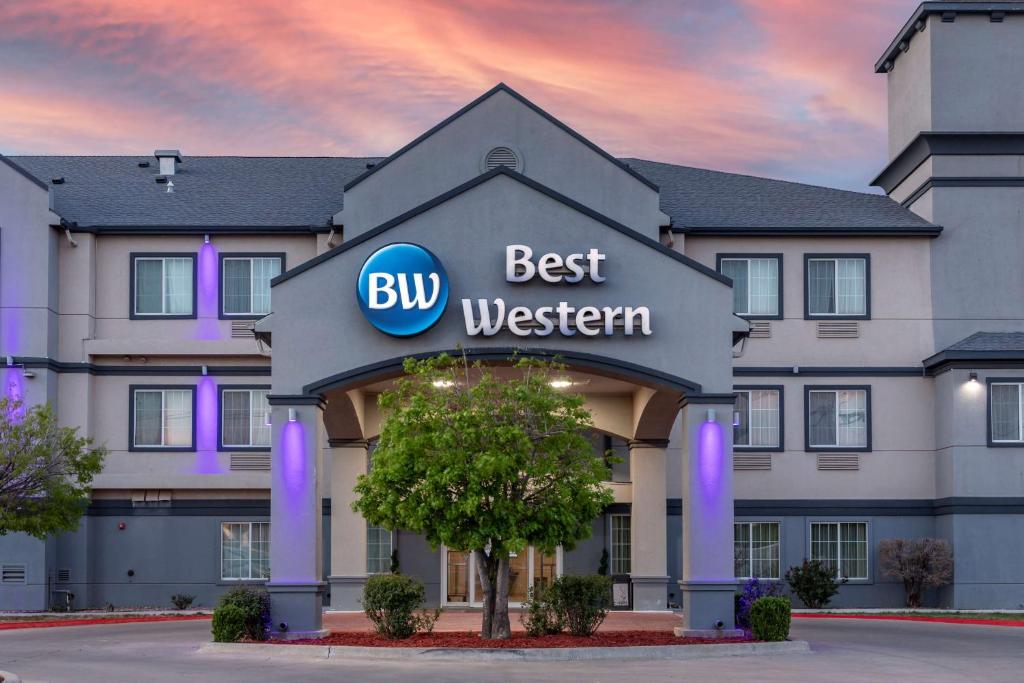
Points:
point(769, 618)
point(182, 600)
point(814, 583)
point(228, 623)
point(394, 603)
point(254, 604)
point(581, 602)
point(539, 617)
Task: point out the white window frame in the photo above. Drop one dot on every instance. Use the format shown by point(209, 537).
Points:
point(750, 547)
point(163, 286)
point(866, 313)
point(162, 390)
point(252, 283)
point(835, 390)
point(839, 544)
point(249, 576)
point(613, 558)
point(780, 426)
point(1020, 412)
point(778, 283)
point(252, 426)
point(391, 534)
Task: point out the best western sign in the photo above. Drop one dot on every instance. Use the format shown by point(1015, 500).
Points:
point(403, 291)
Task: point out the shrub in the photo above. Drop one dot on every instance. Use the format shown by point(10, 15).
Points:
point(394, 603)
point(919, 564)
point(254, 604)
point(539, 617)
point(770, 617)
point(581, 602)
point(228, 623)
point(752, 590)
point(603, 563)
point(814, 583)
point(182, 600)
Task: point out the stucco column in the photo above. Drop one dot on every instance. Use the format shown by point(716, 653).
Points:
point(296, 588)
point(348, 528)
point(707, 580)
point(649, 538)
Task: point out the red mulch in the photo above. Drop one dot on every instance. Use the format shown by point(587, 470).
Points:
point(470, 639)
point(915, 617)
point(11, 625)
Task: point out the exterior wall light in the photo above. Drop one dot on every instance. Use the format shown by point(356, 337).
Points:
point(28, 374)
point(712, 415)
point(10, 361)
point(206, 370)
point(206, 239)
point(293, 415)
point(266, 418)
point(560, 383)
point(735, 418)
point(973, 378)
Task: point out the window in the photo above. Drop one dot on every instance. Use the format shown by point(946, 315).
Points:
point(760, 418)
point(378, 549)
point(245, 283)
point(163, 286)
point(244, 550)
point(838, 417)
point(837, 286)
point(243, 417)
point(756, 549)
point(756, 286)
point(161, 418)
point(842, 546)
point(621, 545)
point(1005, 412)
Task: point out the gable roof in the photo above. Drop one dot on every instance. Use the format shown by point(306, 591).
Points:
point(702, 201)
point(480, 180)
point(501, 87)
point(22, 172)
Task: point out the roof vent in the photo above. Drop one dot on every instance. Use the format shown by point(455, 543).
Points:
point(169, 160)
point(143, 164)
point(501, 156)
point(58, 180)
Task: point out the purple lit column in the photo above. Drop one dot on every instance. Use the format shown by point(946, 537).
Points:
point(207, 293)
point(296, 585)
point(707, 580)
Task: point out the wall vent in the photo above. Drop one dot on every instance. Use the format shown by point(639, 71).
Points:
point(63, 576)
point(12, 573)
point(838, 461)
point(746, 462)
point(501, 156)
point(760, 329)
point(250, 462)
point(838, 329)
point(242, 329)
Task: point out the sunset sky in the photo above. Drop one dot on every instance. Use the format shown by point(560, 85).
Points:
point(783, 88)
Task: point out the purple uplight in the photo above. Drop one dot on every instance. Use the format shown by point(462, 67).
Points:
point(710, 454)
point(293, 460)
point(207, 293)
point(206, 427)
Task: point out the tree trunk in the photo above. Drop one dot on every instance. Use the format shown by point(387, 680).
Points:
point(500, 626)
point(486, 572)
point(494, 573)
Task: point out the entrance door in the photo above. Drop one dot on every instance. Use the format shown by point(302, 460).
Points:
point(527, 569)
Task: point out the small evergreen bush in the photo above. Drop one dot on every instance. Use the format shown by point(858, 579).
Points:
point(539, 617)
point(581, 602)
point(394, 603)
point(814, 582)
point(752, 590)
point(228, 623)
point(182, 600)
point(254, 604)
point(769, 618)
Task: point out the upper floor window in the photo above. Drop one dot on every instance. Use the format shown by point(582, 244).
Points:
point(163, 286)
point(837, 286)
point(161, 418)
point(1006, 412)
point(243, 415)
point(245, 283)
point(760, 418)
point(244, 551)
point(838, 418)
point(843, 546)
point(756, 287)
point(756, 550)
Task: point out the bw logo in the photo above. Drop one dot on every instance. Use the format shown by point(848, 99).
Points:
point(402, 289)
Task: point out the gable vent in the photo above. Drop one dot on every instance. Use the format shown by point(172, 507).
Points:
point(747, 462)
point(12, 573)
point(838, 461)
point(501, 156)
point(249, 462)
point(760, 329)
point(838, 329)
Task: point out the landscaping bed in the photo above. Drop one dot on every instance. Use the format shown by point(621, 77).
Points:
point(518, 641)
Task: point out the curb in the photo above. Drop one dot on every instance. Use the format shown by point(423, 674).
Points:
point(566, 654)
point(8, 677)
point(918, 618)
point(65, 623)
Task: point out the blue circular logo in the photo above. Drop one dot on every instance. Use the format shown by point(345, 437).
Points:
point(402, 289)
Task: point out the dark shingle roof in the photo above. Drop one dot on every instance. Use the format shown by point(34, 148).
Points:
point(208, 191)
point(990, 341)
point(307, 191)
point(699, 200)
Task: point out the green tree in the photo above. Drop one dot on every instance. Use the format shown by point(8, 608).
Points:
point(486, 464)
point(45, 471)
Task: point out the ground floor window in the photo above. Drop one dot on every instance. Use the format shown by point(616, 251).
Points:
point(528, 569)
point(245, 550)
point(621, 548)
point(756, 550)
point(379, 545)
point(842, 546)
point(1006, 409)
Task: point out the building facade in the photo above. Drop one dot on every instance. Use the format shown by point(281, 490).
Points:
point(787, 371)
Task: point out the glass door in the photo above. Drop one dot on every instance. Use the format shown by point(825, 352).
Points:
point(527, 569)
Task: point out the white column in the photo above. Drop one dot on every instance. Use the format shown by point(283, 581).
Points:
point(296, 586)
point(348, 528)
point(648, 531)
point(707, 580)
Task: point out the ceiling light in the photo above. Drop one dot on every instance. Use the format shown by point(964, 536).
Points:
point(561, 383)
point(443, 383)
